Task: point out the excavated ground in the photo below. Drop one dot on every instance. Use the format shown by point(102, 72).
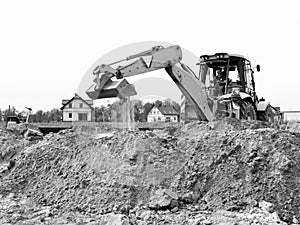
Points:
point(225, 172)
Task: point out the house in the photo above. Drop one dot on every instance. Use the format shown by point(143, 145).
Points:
point(163, 114)
point(77, 109)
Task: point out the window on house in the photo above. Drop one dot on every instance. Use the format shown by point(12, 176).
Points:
point(70, 115)
point(158, 118)
point(175, 118)
point(80, 105)
point(70, 105)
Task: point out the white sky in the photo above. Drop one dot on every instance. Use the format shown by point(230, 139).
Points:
point(47, 46)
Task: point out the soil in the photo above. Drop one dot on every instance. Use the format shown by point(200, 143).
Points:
point(224, 172)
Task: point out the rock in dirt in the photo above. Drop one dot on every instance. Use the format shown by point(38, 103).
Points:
point(33, 134)
point(293, 127)
point(163, 199)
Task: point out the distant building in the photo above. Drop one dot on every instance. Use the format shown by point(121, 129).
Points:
point(163, 114)
point(289, 116)
point(77, 109)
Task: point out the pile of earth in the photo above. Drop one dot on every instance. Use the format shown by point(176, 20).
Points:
point(232, 171)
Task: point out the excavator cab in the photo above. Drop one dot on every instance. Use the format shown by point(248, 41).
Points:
point(229, 81)
point(224, 74)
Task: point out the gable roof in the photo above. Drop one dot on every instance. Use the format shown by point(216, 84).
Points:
point(166, 110)
point(66, 102)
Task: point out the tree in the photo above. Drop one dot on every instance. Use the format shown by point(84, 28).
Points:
point(45, 117)
point(98, 114)
point(39, 116)
point(32, 118)
point(158, 103)
point(114, 111)
point(167, 102)
point(55, 115)
point(101, 114)
point(138, 111)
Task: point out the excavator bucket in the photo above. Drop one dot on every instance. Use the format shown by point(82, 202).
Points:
point(119, 88)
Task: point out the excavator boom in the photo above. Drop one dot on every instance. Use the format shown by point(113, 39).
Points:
point(154, 59)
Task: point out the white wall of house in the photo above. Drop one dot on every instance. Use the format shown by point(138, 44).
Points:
point(73, 109)
point(156, 116)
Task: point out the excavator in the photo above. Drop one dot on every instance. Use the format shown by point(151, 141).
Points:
point(223, 87)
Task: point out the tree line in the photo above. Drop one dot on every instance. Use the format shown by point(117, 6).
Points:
point(40, 116)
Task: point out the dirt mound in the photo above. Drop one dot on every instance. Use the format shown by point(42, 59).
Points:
point(11, 143)
point(76, 171)
point(234, 169)
point(293, 127)
point(226, 165)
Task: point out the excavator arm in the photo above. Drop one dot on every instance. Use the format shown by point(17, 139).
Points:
point(154, 59)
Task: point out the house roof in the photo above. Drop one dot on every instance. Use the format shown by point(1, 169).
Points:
point(76, 96)
point(167, 110)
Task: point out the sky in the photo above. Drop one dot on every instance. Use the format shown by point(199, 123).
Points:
point(46, 47)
